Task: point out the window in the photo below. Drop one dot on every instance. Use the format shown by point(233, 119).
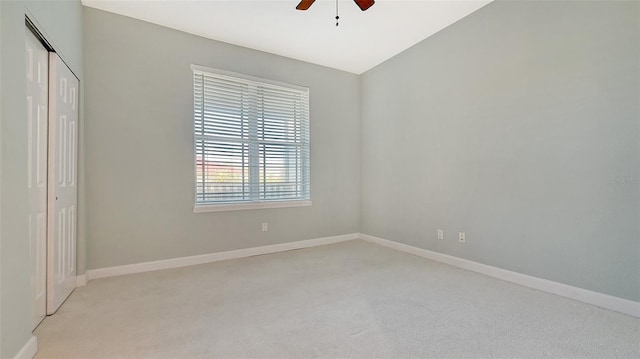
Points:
point(251, 142)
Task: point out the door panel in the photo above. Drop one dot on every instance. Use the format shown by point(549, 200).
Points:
point(63, 195)
point(37, 64)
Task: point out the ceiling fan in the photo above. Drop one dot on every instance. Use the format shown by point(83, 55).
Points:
point(362, 4)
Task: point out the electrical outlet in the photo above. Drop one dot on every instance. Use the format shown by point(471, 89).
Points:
point(265, 226)
point(461, 237)
point(440, 234)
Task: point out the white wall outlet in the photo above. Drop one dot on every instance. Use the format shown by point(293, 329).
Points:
point(440, 234)
point(461, 237)
point(265, 226)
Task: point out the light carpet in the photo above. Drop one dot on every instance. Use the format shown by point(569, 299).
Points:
point(347, 300)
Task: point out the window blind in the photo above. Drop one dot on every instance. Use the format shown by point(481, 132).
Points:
point(251, 139)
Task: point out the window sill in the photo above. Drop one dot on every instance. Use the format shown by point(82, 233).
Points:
point(252, 205)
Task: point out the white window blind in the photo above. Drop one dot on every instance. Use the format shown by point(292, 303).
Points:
point(251, 139)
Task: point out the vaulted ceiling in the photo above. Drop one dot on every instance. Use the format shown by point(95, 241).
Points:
point(362, 41)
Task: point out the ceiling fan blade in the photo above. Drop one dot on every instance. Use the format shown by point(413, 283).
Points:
point(364, 4)
point(305, 4)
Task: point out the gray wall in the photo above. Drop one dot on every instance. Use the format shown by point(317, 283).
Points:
point(139, 153)
point(61, 23)
point(519, 126)
point(1, 81)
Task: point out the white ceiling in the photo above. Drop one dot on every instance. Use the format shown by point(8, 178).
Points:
point(362, 41)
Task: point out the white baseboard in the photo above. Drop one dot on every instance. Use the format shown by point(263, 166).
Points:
point(583, 295)
point(29, 349)
point(81, 280)
point(213, 257)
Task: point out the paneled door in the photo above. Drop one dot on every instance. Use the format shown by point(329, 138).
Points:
point(37, 66)
point(63, 189)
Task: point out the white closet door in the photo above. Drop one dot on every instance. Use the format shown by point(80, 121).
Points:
point(63, 190)
point(37, 65)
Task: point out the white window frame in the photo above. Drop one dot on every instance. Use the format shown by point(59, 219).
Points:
point(248, 205)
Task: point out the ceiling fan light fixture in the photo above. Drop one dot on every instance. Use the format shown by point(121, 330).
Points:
point(362, 4)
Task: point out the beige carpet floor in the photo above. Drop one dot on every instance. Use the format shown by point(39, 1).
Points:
point(347, 300)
